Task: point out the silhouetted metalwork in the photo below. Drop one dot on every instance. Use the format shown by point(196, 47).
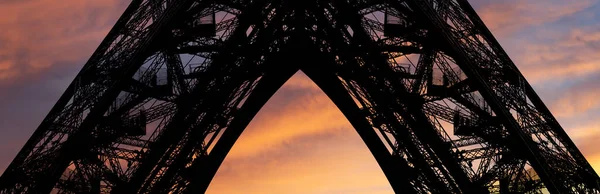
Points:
point(430, 91)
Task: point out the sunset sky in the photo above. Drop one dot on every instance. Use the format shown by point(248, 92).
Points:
point(299, 142)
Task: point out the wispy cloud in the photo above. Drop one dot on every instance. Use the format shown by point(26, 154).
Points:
point(288, 117)
point(38, 34)
point(507, 16)
point(536, 38)
point(580, 98)
point(569, 56)
point(335, 162)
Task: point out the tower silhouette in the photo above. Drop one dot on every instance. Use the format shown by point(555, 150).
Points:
point(435, 98)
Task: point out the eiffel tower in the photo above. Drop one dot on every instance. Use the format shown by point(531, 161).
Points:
point(436, 100)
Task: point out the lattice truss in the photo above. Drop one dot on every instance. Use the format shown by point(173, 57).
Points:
point(425, 84)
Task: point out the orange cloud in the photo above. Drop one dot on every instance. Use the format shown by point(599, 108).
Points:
point(335, 163)
point(586, 138)
point(587, 132)
point(307, 114)
point(301, 81)
point(300, 144)
point(576, 103)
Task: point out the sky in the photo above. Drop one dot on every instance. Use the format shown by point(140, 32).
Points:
point(299, 142)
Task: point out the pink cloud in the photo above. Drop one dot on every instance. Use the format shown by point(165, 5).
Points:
point(570, 55)
point(507, 16)
point(41, 33)
point(560, 55)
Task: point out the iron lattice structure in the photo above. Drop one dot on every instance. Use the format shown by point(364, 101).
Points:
point(430, 91)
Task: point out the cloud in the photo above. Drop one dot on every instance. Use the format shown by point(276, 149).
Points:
point(587, 132)
point(507, 16)
point(288, 116)
point(576, 101)
point(571, 55)
point(300, 81)
point(334, 163)
point(39, 34)
point(535, 35)
point(300, 143)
